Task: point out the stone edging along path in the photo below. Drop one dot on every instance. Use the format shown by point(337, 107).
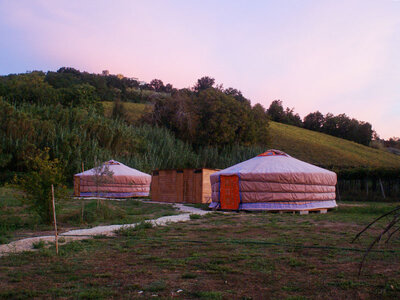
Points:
point(108, 230)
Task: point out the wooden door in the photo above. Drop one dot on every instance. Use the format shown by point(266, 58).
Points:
point(229, 192)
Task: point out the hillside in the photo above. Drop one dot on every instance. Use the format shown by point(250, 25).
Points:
point(311, 146)
point(328, 151)
point(133, 110)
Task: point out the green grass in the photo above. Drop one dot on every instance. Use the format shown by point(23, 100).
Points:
point(283, 256)
point(134, 111)
point(325, 150)
point(17, 221)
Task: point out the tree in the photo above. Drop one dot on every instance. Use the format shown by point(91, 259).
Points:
point(101, 175)
point(29, 87)
point(237, 95)
point(157, 85)
point(291, 118)
point(36, 184)
point(204, 83)
point(168, 88)
point(314, 121)
point(276, 111)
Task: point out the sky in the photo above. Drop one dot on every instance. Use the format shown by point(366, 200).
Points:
point(340, 56)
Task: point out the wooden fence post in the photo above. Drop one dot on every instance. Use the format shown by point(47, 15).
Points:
point(55, 219)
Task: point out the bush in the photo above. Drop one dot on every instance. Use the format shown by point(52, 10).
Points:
point(36, 184)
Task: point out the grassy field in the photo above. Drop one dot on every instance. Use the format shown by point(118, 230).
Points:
point(133, 110)
point(326, 150)
point(219, 256)
point(17, 221)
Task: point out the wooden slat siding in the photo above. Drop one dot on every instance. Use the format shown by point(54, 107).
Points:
point(77, 186)
point(188, 190)
point(182, 186)
point(197, 186)
point(167, 185)
point(206, 185)
point(154, 187)
point(179, 186)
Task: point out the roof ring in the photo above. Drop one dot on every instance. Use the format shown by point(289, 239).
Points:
point(273, 152)
point(111, 162)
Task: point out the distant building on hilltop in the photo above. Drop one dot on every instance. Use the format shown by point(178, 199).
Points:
point(105, 73)
point(120, 76)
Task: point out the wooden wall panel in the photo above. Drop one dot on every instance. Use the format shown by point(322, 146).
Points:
point(188, 192)
point(197, 183)
point(167, 185)
point(179, 186)
point(154, 187)
point(206, 185)
point(77, 183)
point(182, 186)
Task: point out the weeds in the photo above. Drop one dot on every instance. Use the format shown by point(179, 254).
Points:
point(195, 216)
point(38, 245)
point(133, 230)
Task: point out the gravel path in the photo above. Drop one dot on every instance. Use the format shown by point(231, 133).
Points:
point(109, 230)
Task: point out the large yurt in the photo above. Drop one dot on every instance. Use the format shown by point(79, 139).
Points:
point(273, 181)
point(117, 181)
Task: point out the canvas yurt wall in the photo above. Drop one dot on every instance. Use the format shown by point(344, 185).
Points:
point(273, 181)
point(124, 182)
point(182, 186)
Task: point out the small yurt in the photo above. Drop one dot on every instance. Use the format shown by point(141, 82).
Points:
point(121, 182)
point(273, 181)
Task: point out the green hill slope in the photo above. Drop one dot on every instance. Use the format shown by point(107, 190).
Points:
point(133, 110)
point(328, 151)
point(311, 146)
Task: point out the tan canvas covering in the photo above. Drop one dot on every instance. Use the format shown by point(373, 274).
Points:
point(275, 180)
point(125, 182)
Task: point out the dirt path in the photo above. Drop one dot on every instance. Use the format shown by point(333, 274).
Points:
point(109, 230)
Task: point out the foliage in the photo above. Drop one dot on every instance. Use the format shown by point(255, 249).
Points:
point(132, 112)
point(102, 175)
point(118, 111)
point(206, 126)
point(211, 118)
point(36, 184)
point(341, 125)
point(204, 83)
point(29, 87)
point(109, 87)
point(277, 113)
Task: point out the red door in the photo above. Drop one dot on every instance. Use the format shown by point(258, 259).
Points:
point(229, 192)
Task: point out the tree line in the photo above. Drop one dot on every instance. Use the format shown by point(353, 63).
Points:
point(71, 87)
point(74, 88)
point(199, 127)
point(206, 125)
point(209, 115)
point(340, 126)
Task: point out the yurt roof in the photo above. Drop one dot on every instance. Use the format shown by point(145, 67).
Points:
point(273, 161)
point(118, 169)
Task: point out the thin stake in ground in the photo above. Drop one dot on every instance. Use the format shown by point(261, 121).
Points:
point(54, 218)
